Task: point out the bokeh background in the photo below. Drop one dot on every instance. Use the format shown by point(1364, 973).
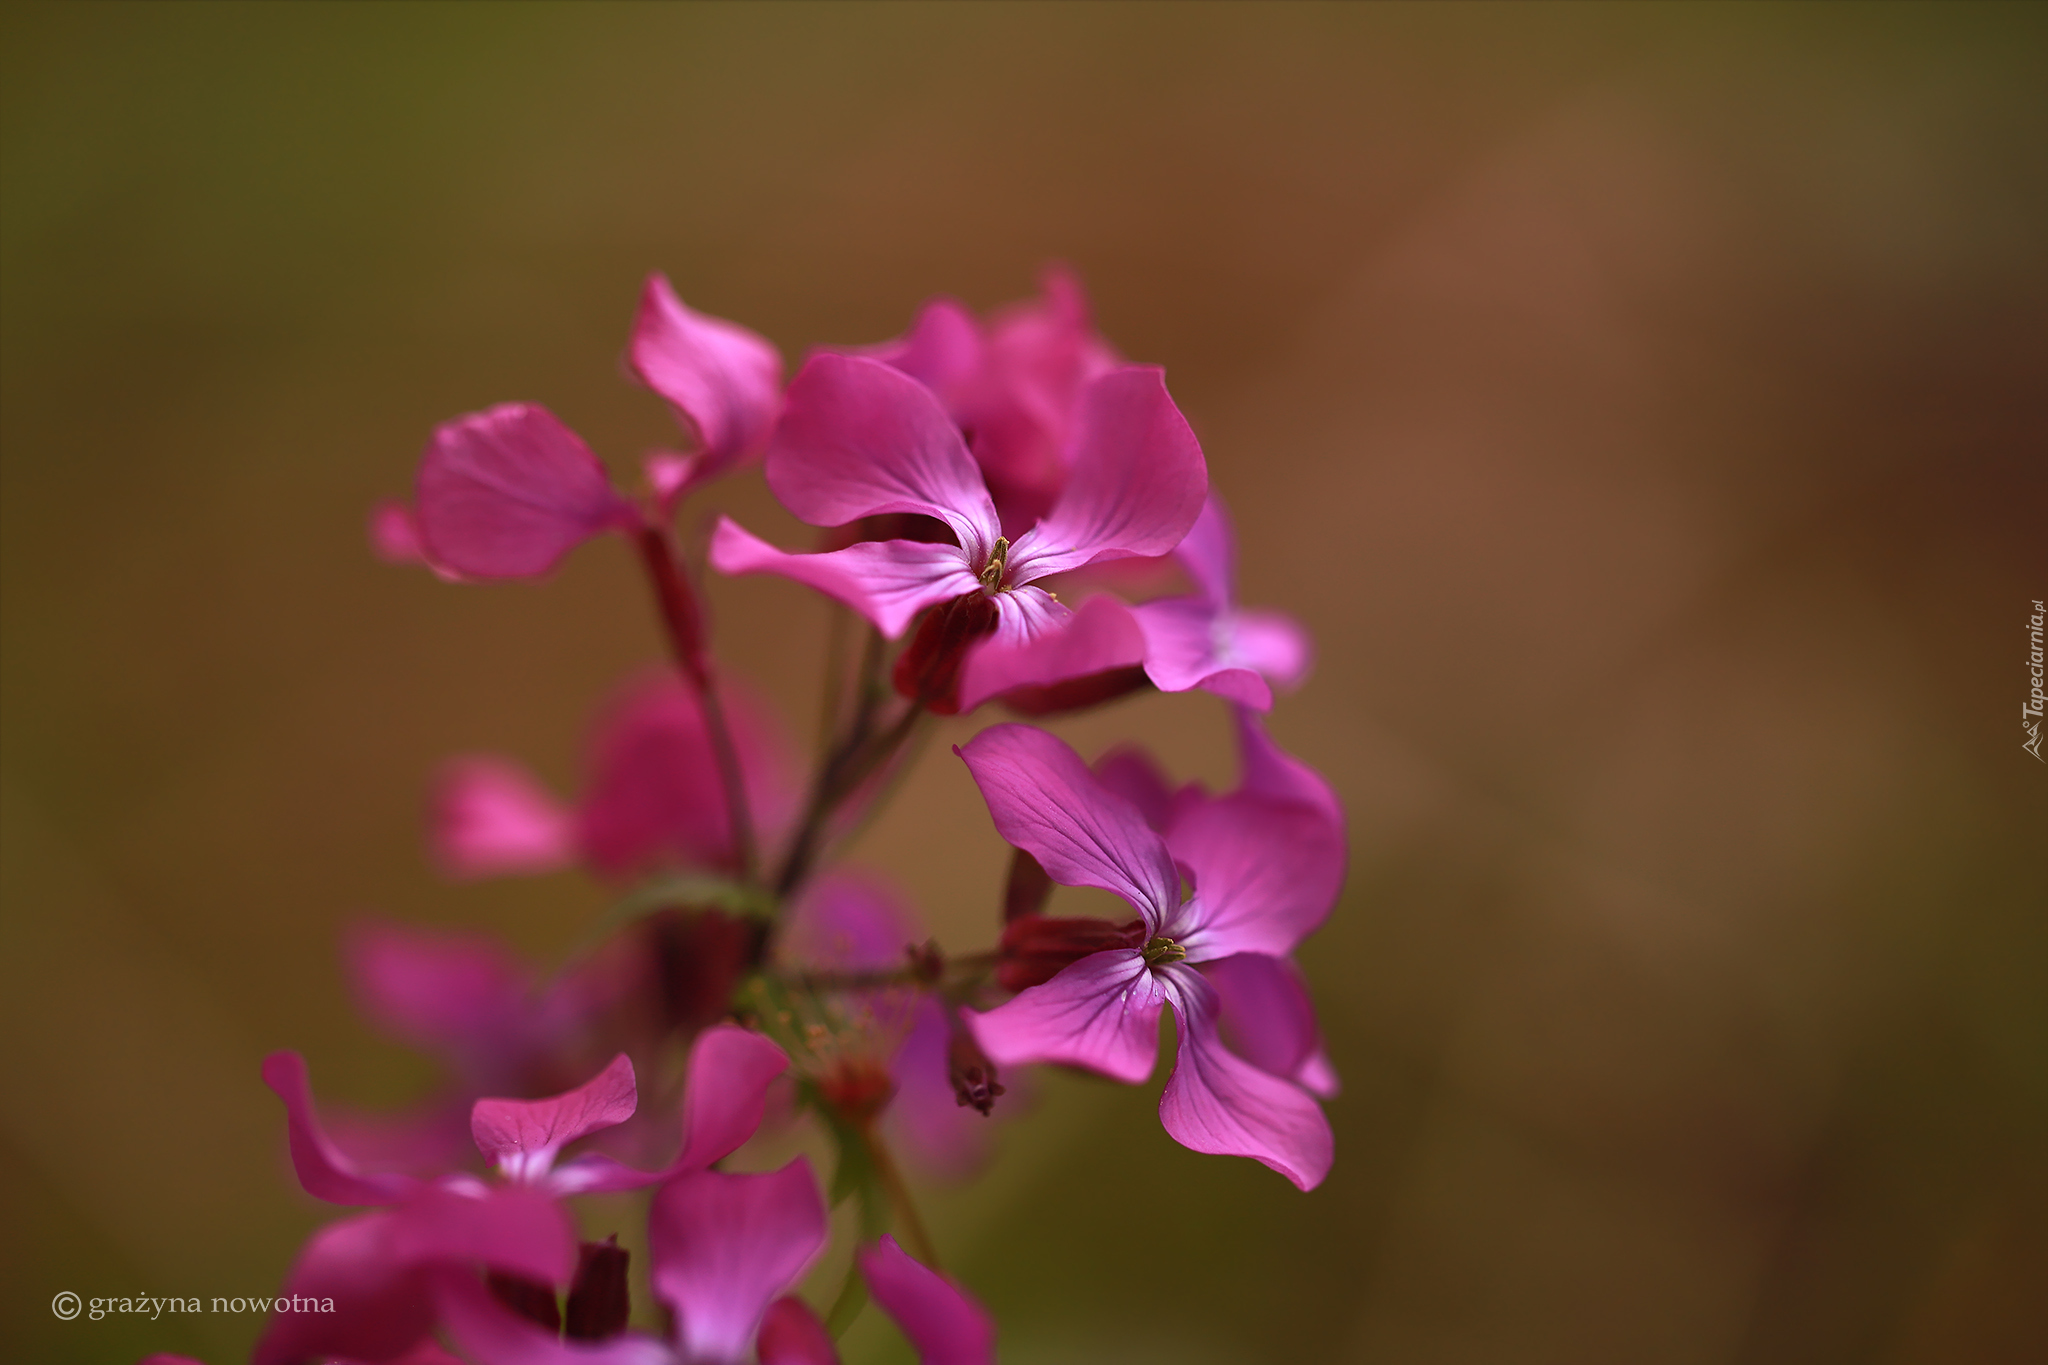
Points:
point(1646, 407)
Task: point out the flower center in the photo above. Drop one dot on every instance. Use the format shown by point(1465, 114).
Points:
point(1162, 950)
point(998, 562)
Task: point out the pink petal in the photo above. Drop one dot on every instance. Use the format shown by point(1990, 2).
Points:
point(859, 439)
point(463, 996)
point(1137, 485)
point(792, 1335)
point(324, 1172)
point(1100, 636)
point(671, 476)
point(1185, 647)
point(654, 794)
point(725, 1089)
point(887, 581)
point(521, 1137)
point(724, 381)
point(505, 1227)
point(394, 538)
point(1267, 1019)
point(848, 920)
point(724, 1246)
point(1045, 801)
point(505, 493)
point(1209, 554)
point(1271, 773)
point(383, 1304)
point(1131, 773)
point(1265, 876)
point(945, 1325)
point(942, 350)
point(488, 1332)
point(1217, 1102)
point(1101, 1013)
point(1274, 644)
point(490, 817)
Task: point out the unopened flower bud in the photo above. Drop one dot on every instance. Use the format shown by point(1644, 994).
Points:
point(1027, 890)
point(599, 1302)
point(533, 1300)
point(973, 1075)
point(929, 670)
point(1035, 947)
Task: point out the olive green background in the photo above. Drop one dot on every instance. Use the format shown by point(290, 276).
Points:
point(1644, 407)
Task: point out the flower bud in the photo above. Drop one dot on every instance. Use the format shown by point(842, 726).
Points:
point(1035, 947)
point(599, 1302)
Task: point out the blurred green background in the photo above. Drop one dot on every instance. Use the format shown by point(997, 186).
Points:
point(1646, 407)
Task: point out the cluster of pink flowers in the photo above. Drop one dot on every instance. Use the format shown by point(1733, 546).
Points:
point(960, 474)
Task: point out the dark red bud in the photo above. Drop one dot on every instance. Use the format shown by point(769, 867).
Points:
point(530, 1299)
point(1036, 947)
point(928, 670)
point(702, 956)
point(599, 1302)
point(973, 1075)
point(1076, 694)
point(1027, 889)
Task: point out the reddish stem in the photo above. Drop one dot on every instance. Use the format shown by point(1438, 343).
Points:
point(684, 622)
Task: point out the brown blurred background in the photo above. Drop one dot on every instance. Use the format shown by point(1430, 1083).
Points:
point(1646, 407)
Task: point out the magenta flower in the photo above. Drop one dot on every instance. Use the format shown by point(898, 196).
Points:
point(726, 1250)
point(652, 796)
point(1264, 875)
point(1206, 640)
point(860, 439)
point(381, 1266)
point(1012, 386)
point(506, 492)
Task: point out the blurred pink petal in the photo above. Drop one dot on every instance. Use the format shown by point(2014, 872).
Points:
point(945, 1325)
point(724, 381)
point(724, 1247)
point(506, 1227)
point(1271, 773)
point(490, 817)
point(522, 1137)
point(505, 493)
point(846, 919)
point(730, 1070)
point(653, 794)
point(792, 1335)
point(461, 996)
point(324, 1171)
point(384, 1304)
point(487, 1332)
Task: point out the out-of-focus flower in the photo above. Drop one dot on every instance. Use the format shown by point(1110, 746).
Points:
point(861, 439)
point(506, 492)
point(1264, 874)
point(1206, 640)
point(652, 796)
point(381, 1267)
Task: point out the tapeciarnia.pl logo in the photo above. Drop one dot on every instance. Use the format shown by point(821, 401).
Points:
point(2030, 713)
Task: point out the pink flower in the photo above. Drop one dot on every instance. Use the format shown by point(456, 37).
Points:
point(1012, 386)
point(652, 796)
point(726, 1250)
point(506, 492)
point(860, 439)
point(381, 1267)
point(1206, 640)
point(1264, 875)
